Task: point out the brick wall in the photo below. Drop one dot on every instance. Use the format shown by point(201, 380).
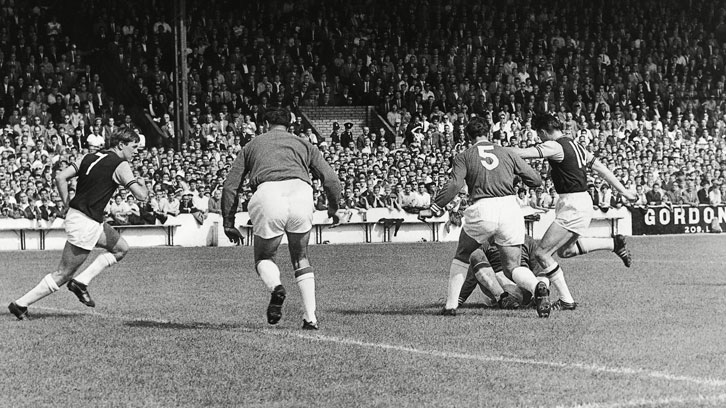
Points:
point(321, 118)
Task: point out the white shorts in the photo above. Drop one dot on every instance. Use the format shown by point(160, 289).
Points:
point(573, 212)
point(497, 219)
point(81, 230)
point(281, 206)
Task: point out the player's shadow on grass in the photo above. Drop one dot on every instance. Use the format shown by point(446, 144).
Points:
point(35, 315)
point(418, 310)
point(152, 324)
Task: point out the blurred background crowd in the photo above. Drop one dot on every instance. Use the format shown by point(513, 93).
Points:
point(641, 85)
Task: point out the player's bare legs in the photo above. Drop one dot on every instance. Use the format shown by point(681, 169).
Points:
point(71, 259)
point(511, 257)
point(265, 251)
point(556, 237)
point(586, 245)
point(304, 276)
point(457, 271)
point(116, 249)
point(485, 275)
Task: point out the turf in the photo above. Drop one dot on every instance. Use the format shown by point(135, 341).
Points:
point(186, 327)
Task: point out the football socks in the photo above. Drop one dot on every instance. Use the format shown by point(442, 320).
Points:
point(46, 286)
point(587, 245)
point(485, 276)
point(269, 273)
point(305, 279)
point(457, 274)
point(557, 279)
point(103, 261)
point(524, 278)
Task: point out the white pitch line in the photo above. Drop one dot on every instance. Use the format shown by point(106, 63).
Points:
point(657, 402)
point(711, 382)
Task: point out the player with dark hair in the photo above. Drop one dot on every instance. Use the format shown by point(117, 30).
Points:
point(570, 162)
point(488, 170)
point(277, 164)
point(99, 175)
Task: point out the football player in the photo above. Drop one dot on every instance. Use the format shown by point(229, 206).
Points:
point(570, 163)
point(278, 165)
point(488, 170)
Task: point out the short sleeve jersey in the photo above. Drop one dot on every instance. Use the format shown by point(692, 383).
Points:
point(569, 161)
point(99, 175)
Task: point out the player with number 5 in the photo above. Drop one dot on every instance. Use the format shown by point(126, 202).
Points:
point(488, 170)
point(569, 162)
point(99, 175)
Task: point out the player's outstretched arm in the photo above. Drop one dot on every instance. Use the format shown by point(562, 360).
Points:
point(529, 176)
point(608, 175)
point(547, 150)
point(527, 153)
point(449, 191)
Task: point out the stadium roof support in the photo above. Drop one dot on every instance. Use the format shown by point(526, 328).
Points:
point(181, 89)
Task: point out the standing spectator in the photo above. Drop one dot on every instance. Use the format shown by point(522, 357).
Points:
point(703, 192)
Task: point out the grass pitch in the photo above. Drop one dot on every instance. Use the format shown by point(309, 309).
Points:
point(186, 327)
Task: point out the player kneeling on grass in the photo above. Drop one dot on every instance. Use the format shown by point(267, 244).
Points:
point(488, 171)
point(277, 164)
point(485, 270)
point(99, 175)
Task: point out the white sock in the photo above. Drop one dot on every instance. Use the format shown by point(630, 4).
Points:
point(586, 245)
point(557, 279)
point(305, 279)
point(457, 275)
point(524, 278)
point(46, 286)
point(103, 261)
point(486, 277)
point(503, 280)
point(269, 272)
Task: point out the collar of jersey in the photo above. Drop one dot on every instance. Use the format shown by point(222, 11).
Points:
point(483, 141)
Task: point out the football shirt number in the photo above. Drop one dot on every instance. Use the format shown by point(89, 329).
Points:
point(489, 160)
point(100, 157)
point(579, 154)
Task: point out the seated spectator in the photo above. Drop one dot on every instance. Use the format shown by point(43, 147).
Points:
point(654, 196)
point(714, 195)
point(594, 195)
point(703, 192)
point(549, 201)
point(522, 198)
point(642, 200)
point(119, 211)
point(215, 202)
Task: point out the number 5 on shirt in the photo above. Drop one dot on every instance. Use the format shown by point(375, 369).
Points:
point(489, 160)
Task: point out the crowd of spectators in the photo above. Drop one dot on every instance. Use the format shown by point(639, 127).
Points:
point(640, 85)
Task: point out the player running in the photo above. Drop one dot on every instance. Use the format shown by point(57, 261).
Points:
point(488, 170)
point(569, 162)
point(485, 270)
point(99, 175)
point(277, 164)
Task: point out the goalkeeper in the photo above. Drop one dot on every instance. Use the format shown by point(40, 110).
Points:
point(485, 270)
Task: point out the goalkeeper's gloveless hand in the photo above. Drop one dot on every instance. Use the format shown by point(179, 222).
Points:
point(233, 234)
